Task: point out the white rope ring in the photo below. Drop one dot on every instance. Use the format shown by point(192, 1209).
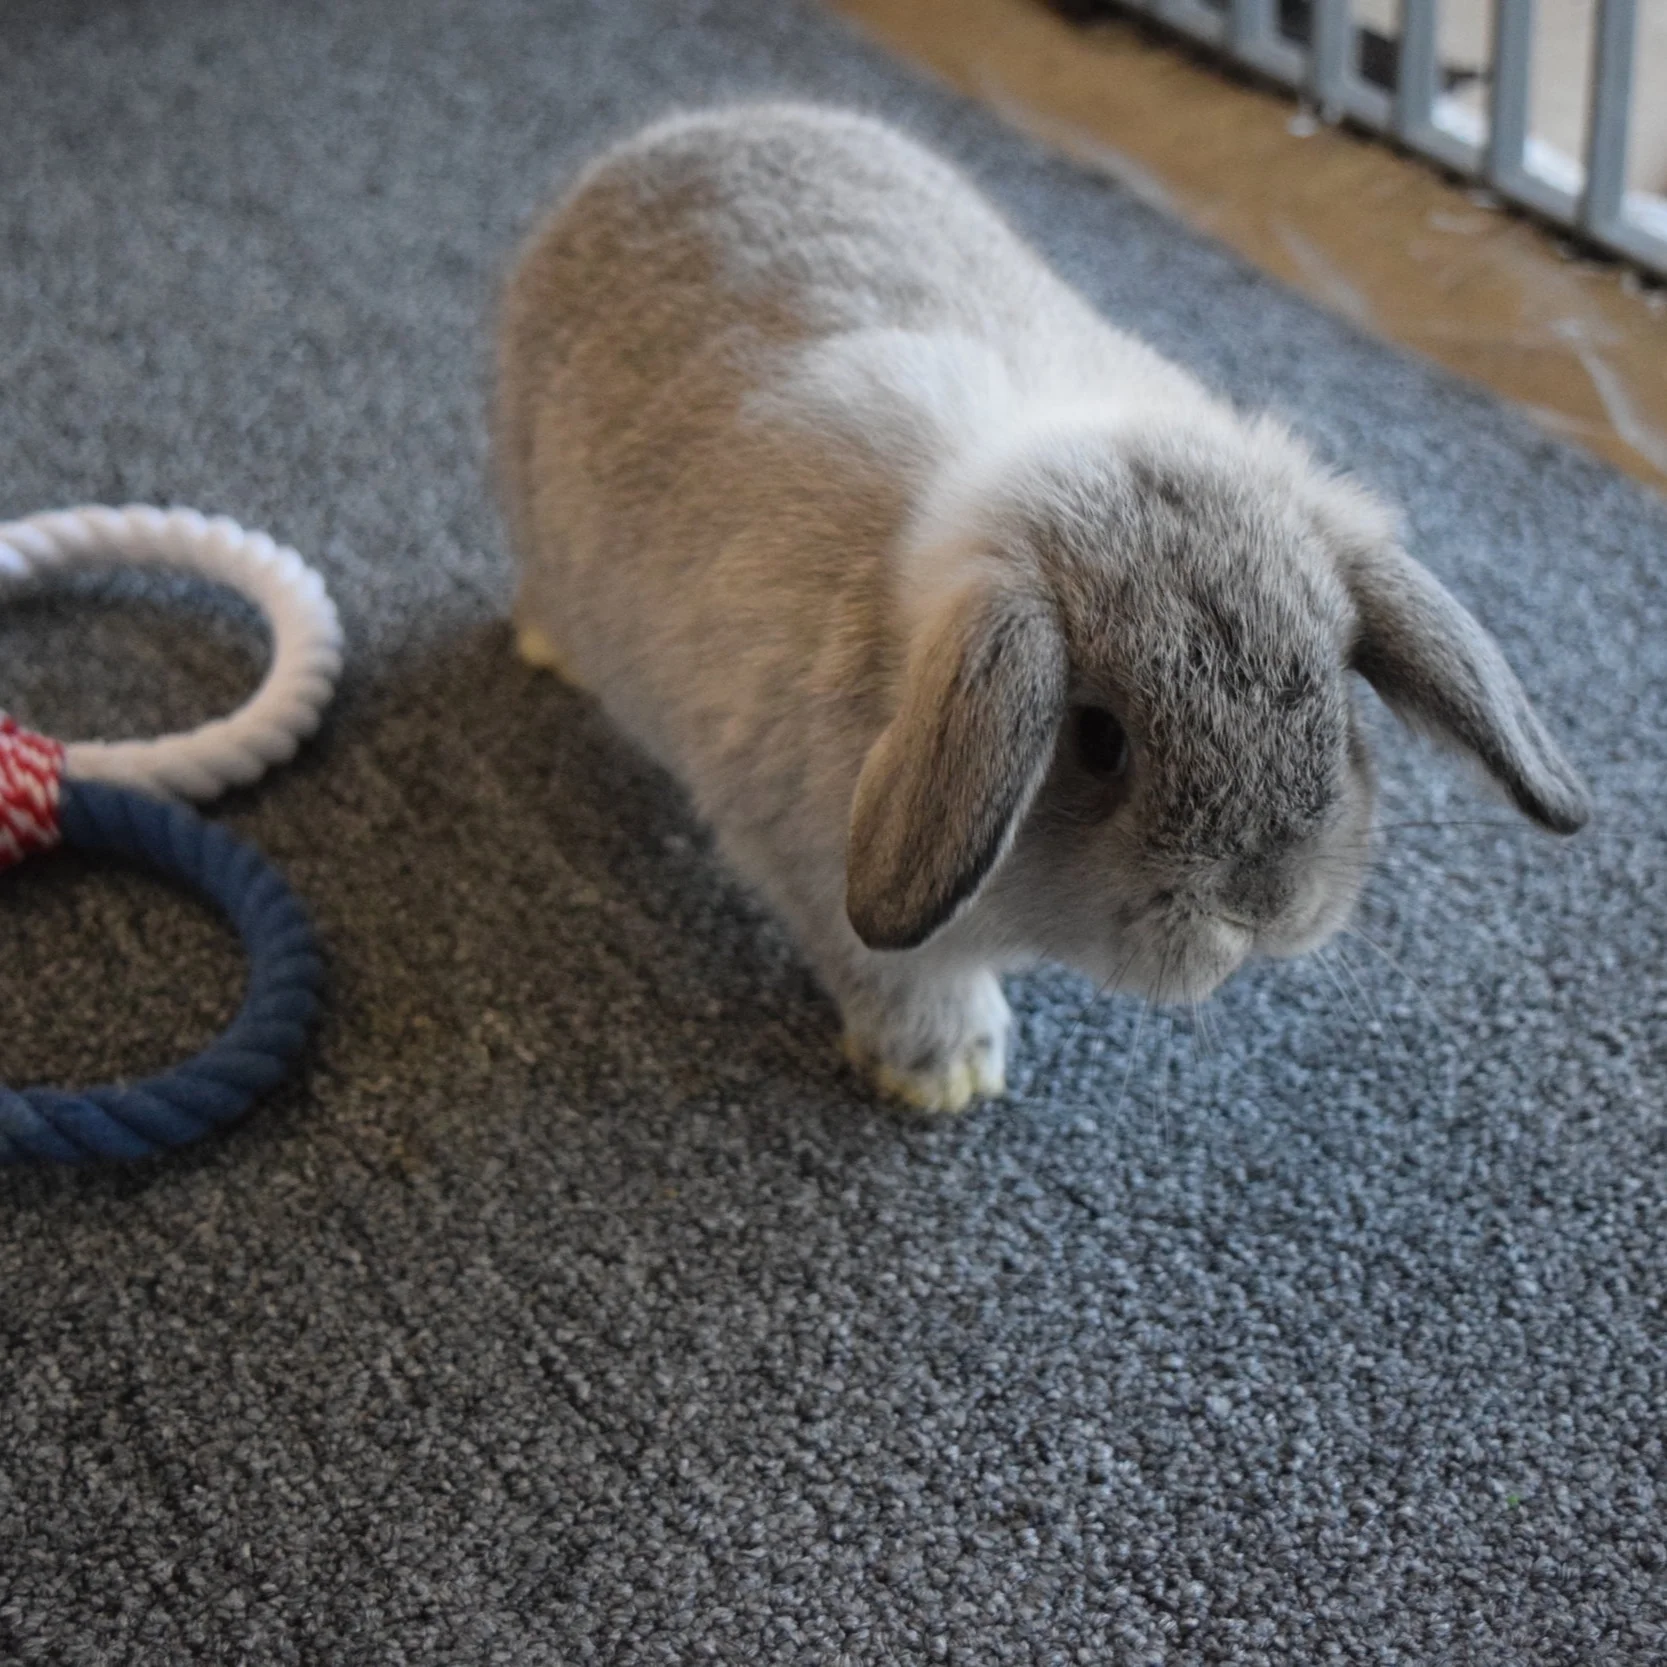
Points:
point(306, 639)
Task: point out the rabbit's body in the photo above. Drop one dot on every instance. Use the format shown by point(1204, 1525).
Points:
point(847, 510)
point(667, 425)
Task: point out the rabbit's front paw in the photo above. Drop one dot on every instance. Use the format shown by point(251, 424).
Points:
point(939, 1051)
point(950, 1087)
point(536, 649)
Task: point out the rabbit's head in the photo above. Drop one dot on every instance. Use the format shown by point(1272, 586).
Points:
point(1125, 734)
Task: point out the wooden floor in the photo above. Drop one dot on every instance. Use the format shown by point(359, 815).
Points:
point(1375, 235)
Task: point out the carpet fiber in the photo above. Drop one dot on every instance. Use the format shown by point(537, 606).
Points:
point(577, 1305)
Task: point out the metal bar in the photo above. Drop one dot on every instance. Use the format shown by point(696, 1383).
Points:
point(1195, 19)
point(1251, 26)
point(1448, 149)
point(1328, 63)
point(1248, 31)
point(1370, 106)
point(1606, 133)
point(1513, 47)
point(1279, 59)
point(1327, 70)
point(1627, 237)
point(1533, 191)
point(1415, 69)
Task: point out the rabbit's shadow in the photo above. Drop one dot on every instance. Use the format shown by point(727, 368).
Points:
point(586, 894)
point(490, 864)
point(624, 933)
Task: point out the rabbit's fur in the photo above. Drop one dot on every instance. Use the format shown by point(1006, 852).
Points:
point(978, 631)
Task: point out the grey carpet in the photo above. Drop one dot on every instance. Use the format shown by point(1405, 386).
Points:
point(577, 1306)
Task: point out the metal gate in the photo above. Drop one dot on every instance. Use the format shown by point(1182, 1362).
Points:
point(1394, 83)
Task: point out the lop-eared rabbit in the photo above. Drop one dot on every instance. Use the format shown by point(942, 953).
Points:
point(978, 631)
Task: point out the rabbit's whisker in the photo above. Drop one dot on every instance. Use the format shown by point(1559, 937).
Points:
point(1324, 960)
point(1066, 1042)
point(1165, 1067)
point(1134, 1054)
point(1457, 822)
point(1417, 988)
point(1203, 1026)
point(1373, 1010)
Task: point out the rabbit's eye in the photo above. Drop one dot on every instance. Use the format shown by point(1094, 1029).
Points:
point(1102, 747)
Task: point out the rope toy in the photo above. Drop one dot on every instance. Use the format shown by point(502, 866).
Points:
point(306, 648)
point(96, 797)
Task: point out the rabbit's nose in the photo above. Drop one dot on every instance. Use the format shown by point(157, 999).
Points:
point(1255, 890)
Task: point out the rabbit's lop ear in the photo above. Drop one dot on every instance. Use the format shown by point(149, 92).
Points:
point(1439, 670)
point(945, 786)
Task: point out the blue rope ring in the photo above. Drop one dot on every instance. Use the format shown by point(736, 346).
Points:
point(252, 1055)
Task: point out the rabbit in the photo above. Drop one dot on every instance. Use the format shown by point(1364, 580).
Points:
point(980, 633)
